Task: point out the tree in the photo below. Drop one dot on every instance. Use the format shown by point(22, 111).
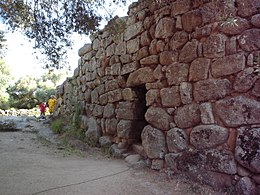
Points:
point(29, 91)
point(2, 43)
point(5, 78)
point(51, 22)
point(22, 93)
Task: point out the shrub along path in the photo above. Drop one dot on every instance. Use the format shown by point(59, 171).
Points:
point(31, 165)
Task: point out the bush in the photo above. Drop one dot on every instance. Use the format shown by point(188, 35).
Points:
point(75, 133)
point(57, 126)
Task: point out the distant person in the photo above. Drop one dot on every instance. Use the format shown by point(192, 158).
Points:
point(42, 110)
point(52, 104)
point(59, 101)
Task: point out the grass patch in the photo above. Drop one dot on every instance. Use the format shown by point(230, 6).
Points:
point(57, 126)
point(73, 132)
point(106, 151)
point(43, 140)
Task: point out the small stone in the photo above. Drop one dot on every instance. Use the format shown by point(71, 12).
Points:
point(245, 186)
point(157, 164)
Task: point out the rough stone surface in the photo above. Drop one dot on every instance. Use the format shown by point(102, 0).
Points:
point(158, 117)
point(206, 113)
point(85, 49)
point(255, 20)
point(170, 97)
point(133, 30)
point(245, 186)
point(238, 111)
point(186, 92)
point(195, 160)
point(234, 26)
point(228, 65)
point(93, 132)
point(247, 7)
point(179, 39)
point(212, 89)
point(150, 60)
point(157, 164)
point(187, 116)
point(245, 80)
point(168, 57)
point(208, 136)
point(152, 96)
point(180, 7)
point(177, 140)
point(188, 70)
point(256, 89)
point(214, 46)
point(191, 20)
point(189, 51)
point(165, 28)
point(140, 76)
point(133, 159)
point(124, 129)
point(248, 148)
point(249, 40)
point(199, 69)
point(153, 141)
point(116, 152)
point(177, 73)
point(221, 161)
point(105, 141)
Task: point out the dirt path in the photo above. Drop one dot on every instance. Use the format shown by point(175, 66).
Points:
point(29, 166)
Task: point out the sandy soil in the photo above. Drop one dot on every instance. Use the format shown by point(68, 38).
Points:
point(30, 165)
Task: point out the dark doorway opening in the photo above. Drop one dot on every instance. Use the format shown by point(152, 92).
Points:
point(140, 110)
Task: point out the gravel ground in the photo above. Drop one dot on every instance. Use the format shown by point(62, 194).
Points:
point(31, 165)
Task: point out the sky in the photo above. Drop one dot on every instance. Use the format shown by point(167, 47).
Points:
point(20, 58)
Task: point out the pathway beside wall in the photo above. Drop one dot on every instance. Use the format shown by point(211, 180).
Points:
point(179, 83)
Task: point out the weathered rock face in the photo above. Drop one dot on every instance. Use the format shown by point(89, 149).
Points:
point(248, 148)
point(181, 80)
point(208, 136)
point(153, 141)
point(238, 111)
point(214, 160)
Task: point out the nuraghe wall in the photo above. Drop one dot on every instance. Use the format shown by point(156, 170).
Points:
point(177, 82)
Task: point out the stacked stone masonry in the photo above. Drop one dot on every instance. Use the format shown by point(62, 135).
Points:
point(179, 82)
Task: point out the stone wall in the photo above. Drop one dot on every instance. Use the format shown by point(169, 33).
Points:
point(179, 83)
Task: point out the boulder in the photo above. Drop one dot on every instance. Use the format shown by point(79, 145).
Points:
point(249, 40)
point(247, 151)
point(93, 132)
point(153, 141)
point(208, 136)
point(187, 116)
point(177, 140)
point(140, 76)
point(238, 111)
point(158, 117)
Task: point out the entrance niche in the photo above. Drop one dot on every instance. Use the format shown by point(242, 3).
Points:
point(140, 109)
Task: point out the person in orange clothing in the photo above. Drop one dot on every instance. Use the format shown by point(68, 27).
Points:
point(52, 104)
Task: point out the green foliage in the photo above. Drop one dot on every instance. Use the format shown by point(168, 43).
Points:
point(5, 79)
point(29, 91)
point(76, 116)
point(57, 126)
point(2, 43)
point(106, 151)
point(51, 23)
point(73, 132)
point(230, 21)
point(22, 93)
point(5, 75)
